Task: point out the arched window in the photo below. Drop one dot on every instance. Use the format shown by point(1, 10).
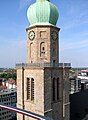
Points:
point(31, 52)
point(54, 62)
point(30, 89)
point(54, 50)
point(55, 89)
point(42, 49)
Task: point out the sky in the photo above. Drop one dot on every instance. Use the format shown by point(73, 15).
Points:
point(73, 35)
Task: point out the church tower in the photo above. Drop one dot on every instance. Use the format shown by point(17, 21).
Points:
point(40, 81)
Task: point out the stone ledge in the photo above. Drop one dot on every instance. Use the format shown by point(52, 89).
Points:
point(40, 65)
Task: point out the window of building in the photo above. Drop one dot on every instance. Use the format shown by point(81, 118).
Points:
point(54, 49)
point(53, 96)
point(30, 89)
point(55, 89)
point(31, 51)
point(54, 62)
point(42, 49)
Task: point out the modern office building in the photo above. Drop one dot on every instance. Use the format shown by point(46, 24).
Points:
point(75, 85)
point(8, 97)
point(79, 82)
point(43, 82)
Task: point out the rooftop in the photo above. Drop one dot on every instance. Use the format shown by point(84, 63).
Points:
point(84, 70)
point(7, 91)
point(11, 81)
point(3, 87)
point(42, 11)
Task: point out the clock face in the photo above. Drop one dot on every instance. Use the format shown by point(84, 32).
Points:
point(31, 35)
point(54, 35)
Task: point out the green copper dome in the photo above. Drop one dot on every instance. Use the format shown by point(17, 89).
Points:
point(42, 12)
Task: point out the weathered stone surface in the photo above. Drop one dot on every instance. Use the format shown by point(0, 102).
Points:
point(43, 49)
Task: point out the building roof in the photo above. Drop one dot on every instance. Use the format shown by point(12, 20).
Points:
point(8, 91)
point(84, 70)
point(42, 12)
point(11, 81)
point(3, 87)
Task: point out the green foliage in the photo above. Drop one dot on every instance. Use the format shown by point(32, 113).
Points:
point(8, 75)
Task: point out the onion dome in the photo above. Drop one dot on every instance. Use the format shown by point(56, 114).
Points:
point(42, 12)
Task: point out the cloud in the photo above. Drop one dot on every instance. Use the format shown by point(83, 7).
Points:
point(74, 45)
point(75, 15)
point(76, 21)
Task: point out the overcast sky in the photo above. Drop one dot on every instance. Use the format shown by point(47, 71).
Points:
point(73, 22)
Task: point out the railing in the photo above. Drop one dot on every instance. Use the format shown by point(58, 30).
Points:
point(64, 64)
point(24, 112)
point(45, 64)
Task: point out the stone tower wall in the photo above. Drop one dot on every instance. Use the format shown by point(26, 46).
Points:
point(42, 38)
point(53, 108)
